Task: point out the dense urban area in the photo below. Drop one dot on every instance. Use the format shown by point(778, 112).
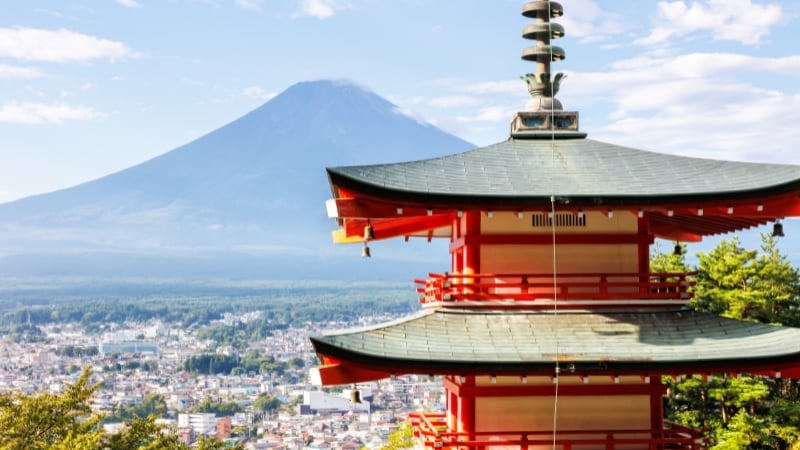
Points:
point(242, 377)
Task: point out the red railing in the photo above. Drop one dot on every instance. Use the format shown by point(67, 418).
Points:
point(431, 431)
point(446, 288)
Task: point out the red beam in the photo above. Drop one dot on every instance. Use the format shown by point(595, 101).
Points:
point(550, 390)
point(544, 239)
point(404, 226)
point(361, 209)
point(337, 374)
point(369, 205)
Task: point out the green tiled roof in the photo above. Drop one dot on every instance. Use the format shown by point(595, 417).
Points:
point(530, 168)
point(462, 339)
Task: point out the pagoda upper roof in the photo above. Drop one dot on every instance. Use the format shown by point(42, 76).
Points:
point(575, 169)
point(464, 341)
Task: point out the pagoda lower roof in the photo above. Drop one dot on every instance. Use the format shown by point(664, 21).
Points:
point(464, 341)
point(598, 172)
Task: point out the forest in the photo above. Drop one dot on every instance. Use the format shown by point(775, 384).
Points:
point(252, 362)
point(282, 304)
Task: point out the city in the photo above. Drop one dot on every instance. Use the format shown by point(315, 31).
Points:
point(140, 361)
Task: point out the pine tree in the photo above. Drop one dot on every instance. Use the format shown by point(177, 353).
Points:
point(780, 284)
point(747, 412)
point(725, 281)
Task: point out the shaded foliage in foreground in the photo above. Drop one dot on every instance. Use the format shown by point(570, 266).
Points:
point(65, 421)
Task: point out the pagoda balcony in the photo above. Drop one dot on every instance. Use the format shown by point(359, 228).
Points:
point(431, 431)
point(542, 290)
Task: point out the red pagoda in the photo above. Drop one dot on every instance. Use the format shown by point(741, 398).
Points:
point(549, 330)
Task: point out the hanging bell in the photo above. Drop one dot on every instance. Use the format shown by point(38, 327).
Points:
point(678, 251)
point(355, 396)
point(369, 233)
point(365, 251)
point(777, 229)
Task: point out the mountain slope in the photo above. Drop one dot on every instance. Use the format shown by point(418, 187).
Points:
point(255, 184)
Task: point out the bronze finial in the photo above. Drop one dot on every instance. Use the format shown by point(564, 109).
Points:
point(542, 85)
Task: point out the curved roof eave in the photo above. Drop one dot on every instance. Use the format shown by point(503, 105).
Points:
point(581, 170)
point(453, 341)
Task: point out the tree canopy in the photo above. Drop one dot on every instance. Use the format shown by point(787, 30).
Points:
point(746, 412)
point(65, 421)
point(748, 284)
point(218, 407)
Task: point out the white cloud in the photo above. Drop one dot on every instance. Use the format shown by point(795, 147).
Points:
point(586, 20)
point(731, 20)
point(39, 113)
point(647, 70)
point(19, 72)
point(250, 5)
point(321, 9)
point(737, 130)
point(409, 101)
point(258, 93)
point(473, 111)
point(495, 114)
point(718, 105)
point(507, 87)
point(453, 101)
point(33, 44)
point(129, 3)
point(695, 104)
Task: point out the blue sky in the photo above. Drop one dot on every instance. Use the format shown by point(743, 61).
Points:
point(91, 87)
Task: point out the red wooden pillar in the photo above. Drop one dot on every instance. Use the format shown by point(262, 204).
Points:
point(657, 407)
point(472, 250)
point(466, 406)
point(457, 253)
point(643, 254)
point(451, 405)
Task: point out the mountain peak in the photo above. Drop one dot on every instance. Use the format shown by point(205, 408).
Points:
point(259, 180)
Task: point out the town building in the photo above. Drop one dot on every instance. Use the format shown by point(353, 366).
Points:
point(223, 429)
point(201, 423)
point(316, 401)
point(550, 329)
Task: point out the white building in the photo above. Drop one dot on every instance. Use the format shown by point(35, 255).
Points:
point(201, 423)
point(321, 401)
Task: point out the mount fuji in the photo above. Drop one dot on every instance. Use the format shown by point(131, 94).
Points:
point(245, 200)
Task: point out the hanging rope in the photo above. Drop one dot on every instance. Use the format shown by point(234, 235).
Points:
point(555, 319)
point(553, 152)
